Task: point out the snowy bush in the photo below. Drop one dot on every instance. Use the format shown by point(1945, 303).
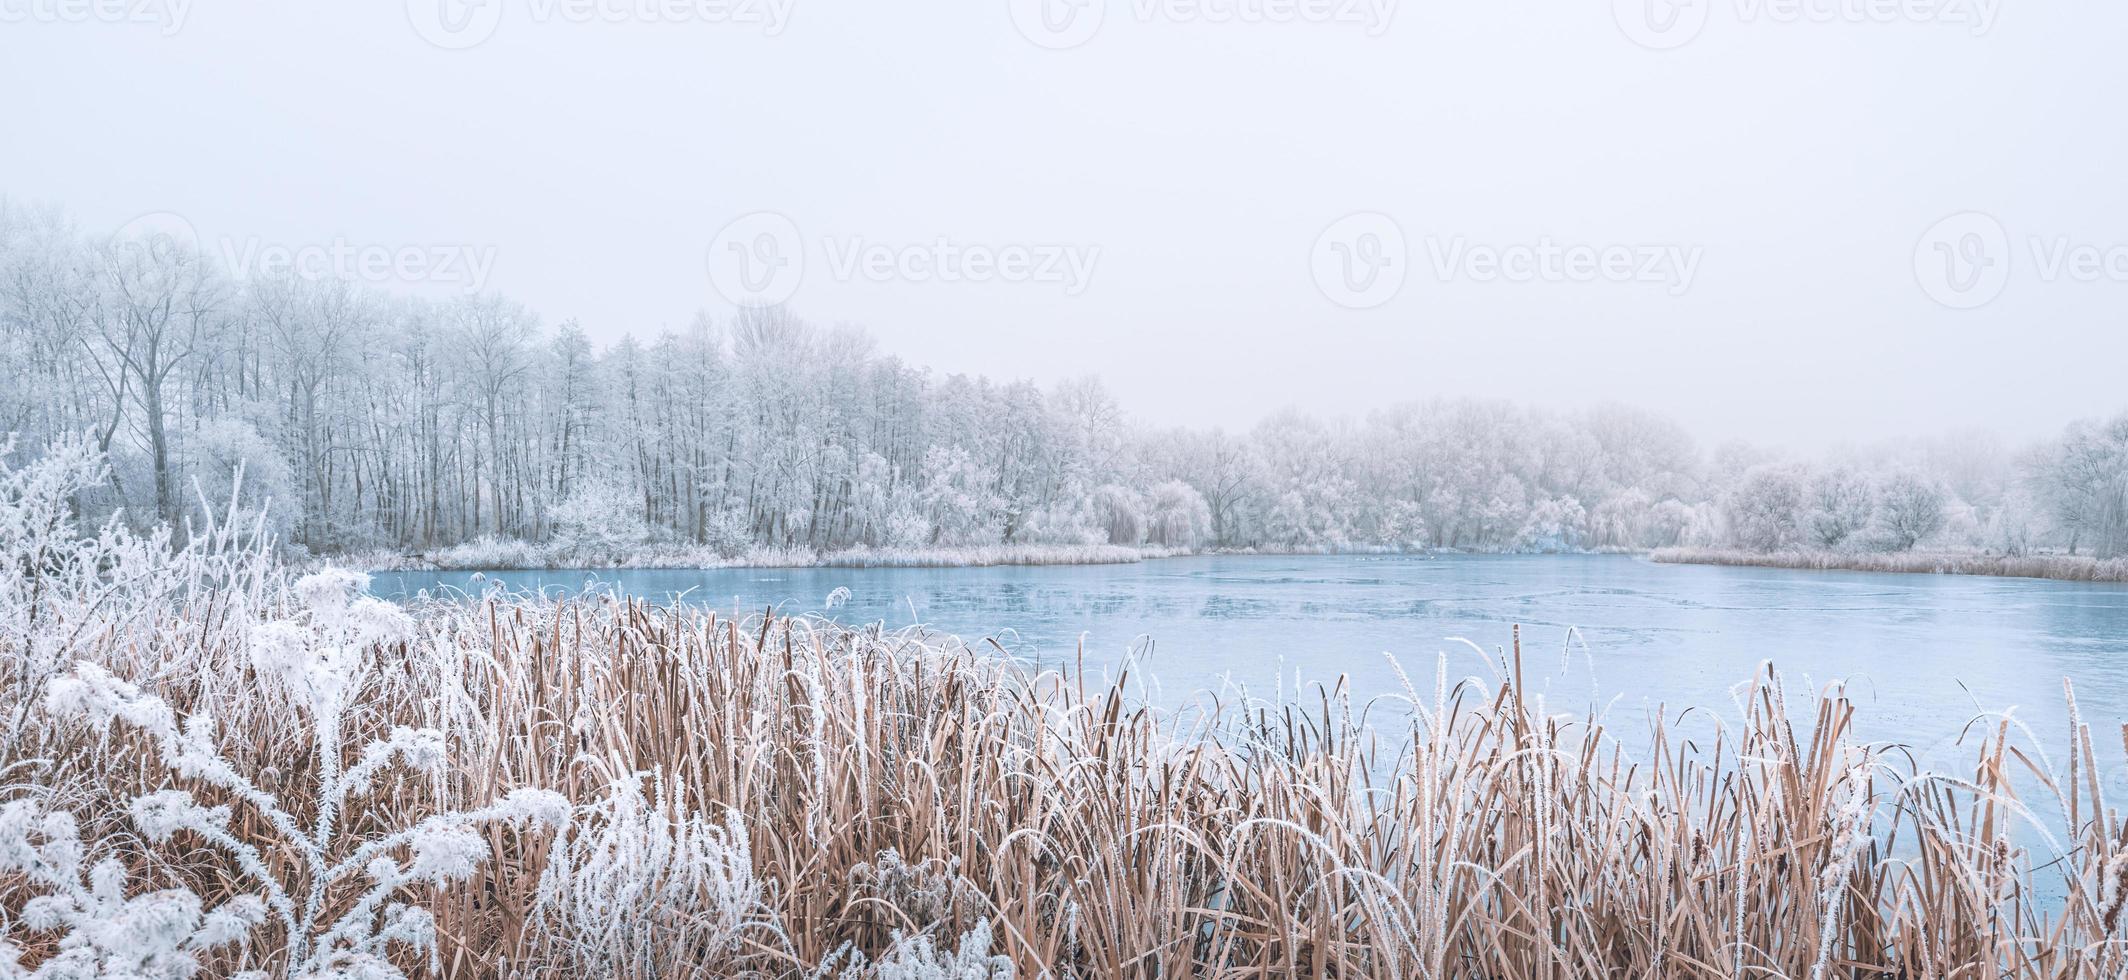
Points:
point(105, 933)
point(727, 532)
point(906, 529)
point(920, 957)
point(317, 661)
point(599, 520)
point(233, 463)
point(923, 893)
point(639, 880)
point(63, 590)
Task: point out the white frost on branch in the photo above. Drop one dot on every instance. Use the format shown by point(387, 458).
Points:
point(319, 656)
point(105, 933)
point(639, 878)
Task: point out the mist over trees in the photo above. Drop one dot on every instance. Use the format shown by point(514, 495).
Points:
point(375, 421)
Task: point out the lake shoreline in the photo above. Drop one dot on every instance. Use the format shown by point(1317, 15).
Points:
point(518, 556)
point(490, 556)
point(2060, 568)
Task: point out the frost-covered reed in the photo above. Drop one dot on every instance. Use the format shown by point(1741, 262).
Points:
point(284, 779)
point(2072, 568)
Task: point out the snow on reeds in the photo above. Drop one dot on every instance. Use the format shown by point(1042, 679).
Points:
point(2073, 568)
point(216, 766)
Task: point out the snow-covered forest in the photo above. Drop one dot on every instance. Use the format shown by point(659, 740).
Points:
point(374, 421)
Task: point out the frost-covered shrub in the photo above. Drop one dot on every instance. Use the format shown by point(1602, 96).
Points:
point(48, 568)
point(906, 529)
point(105, 933)
point(599, 519)
point(727, 532)
point(643, 881)
point(920, 957)
point(233, 464)
point(64, 590)
point(317, 660)
point(1067, 521)
point(923, 893)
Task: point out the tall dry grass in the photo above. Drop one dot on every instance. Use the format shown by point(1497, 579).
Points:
point(2070, 568)
point(674, 793)
point(885, 790)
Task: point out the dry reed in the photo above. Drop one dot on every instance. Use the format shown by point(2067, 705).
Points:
point(886, 785)
point(2070, 568)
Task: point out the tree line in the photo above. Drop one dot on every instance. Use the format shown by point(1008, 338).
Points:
point(375, 421)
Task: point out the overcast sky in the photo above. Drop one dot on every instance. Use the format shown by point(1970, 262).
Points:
point(1740, 229)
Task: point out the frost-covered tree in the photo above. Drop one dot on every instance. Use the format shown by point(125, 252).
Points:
point(1839, 506)
point(2082, 479)
point(2013, 527)
point(378, 421)
point(1909, 511)
point(960, 498)
point(1765, 509)
point(1177, 516)
point(1555, 524)
point(1120, 513)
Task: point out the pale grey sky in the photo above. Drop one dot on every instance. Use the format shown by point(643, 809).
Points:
point(1765, 185)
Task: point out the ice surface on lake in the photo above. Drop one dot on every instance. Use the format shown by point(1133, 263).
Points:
point(1674, 634)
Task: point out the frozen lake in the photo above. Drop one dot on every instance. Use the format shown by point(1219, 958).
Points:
point(1922, 653)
